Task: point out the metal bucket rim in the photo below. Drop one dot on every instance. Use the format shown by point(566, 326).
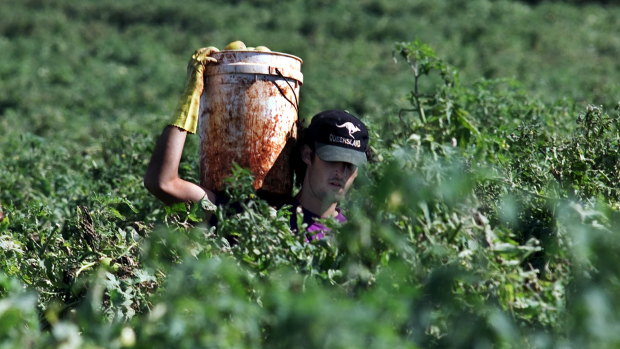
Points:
point(252, 69)
point(262, 52)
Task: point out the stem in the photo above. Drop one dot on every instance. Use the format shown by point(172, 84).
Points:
point(416, 79)
point(25, 281)
point(400, 112)
point(128, 249)
point(456, 231)
point(416, 97)
point(88, 254)
point(86, 266)
point(536, 195)
point(47, 242)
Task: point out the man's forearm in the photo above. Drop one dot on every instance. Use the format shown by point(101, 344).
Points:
point(162, 178)
point(178, 190)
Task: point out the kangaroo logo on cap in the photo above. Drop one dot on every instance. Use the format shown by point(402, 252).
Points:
point(350, 127)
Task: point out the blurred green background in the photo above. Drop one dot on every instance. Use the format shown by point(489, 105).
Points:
point(72, 67)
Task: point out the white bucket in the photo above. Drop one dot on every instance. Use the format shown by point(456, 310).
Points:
point(248, 114)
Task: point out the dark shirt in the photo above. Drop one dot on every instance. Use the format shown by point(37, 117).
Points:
point(314, 230)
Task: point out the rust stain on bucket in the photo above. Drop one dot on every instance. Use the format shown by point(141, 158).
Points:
point(248, 116)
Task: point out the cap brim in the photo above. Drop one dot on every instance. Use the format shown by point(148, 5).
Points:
point(328, 152)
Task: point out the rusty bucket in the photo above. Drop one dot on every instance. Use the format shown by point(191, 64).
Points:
point(248, 114)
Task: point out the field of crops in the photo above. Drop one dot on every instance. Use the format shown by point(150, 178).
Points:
point(489, 216)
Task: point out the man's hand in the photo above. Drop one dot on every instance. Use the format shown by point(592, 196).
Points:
point(186, 113)
point(196, 68)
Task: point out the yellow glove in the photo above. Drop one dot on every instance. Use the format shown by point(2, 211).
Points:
point(186, 113)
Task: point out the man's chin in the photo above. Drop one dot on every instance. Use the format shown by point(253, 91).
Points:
point(337, 196)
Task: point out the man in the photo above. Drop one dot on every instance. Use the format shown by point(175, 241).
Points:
point(331, 150)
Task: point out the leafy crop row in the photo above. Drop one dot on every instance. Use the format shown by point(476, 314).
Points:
point(487, 218)
point(464, 232)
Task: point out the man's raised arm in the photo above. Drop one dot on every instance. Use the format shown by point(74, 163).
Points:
point(162, 175)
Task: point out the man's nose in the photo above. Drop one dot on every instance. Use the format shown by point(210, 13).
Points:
point(342, 170)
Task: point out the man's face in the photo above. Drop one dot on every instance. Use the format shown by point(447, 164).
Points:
point(328, 181)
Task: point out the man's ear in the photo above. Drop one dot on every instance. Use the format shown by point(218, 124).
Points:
point(306, 154)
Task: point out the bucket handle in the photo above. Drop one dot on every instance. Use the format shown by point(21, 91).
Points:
point(296, 104)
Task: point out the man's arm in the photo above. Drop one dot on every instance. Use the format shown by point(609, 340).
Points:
point(162, 175)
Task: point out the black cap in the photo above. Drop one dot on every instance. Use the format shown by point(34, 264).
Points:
point(339, 136)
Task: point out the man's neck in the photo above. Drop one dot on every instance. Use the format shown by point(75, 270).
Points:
point(312, 204)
